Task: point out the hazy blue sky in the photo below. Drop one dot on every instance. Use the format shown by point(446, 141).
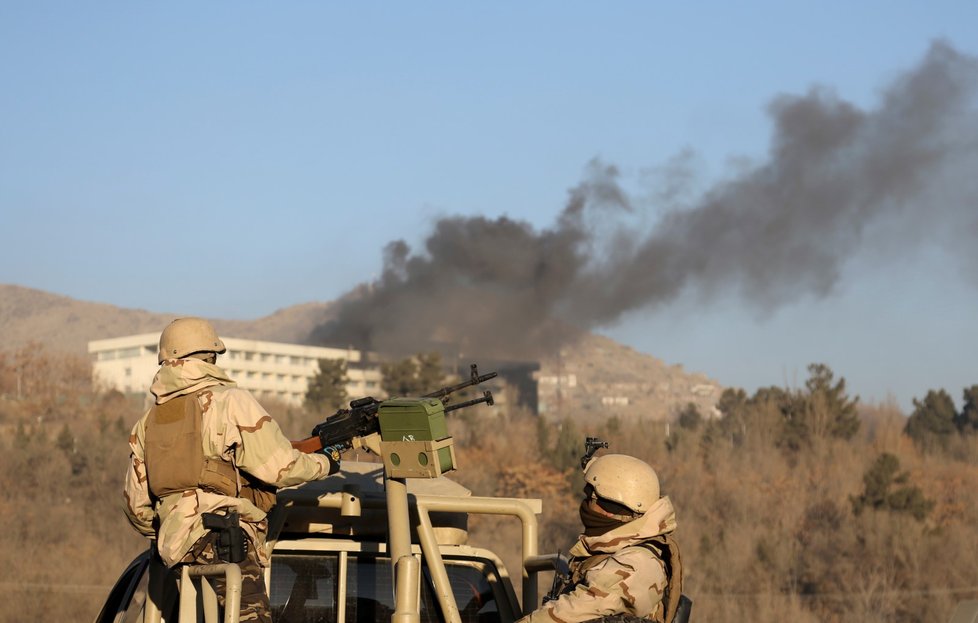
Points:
point(229, 159)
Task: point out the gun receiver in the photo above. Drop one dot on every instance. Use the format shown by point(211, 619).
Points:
point(339, 430)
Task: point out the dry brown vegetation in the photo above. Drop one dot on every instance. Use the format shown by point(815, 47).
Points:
point(65, 538)
point(768, 528)
point(768, 532)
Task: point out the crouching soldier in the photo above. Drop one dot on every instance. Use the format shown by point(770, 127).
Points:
point(626, 562)
point(206, 460)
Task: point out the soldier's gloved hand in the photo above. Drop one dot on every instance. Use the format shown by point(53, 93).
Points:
point(333, 453)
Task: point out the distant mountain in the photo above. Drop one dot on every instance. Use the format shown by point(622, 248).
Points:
point(591, 375)
point(64, 324)
point(595, 377)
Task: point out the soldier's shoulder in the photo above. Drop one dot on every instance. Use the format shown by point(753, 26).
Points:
point(640, 556)
point(240, 407)
point(230, 393)
point(231, 401)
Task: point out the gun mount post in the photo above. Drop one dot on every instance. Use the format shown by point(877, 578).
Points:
point(413, 443)
point(408, 574)
point(399, 546)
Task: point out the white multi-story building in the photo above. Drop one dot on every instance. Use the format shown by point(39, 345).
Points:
point(267, 369)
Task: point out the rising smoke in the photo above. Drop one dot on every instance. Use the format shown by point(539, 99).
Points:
point(781, 230)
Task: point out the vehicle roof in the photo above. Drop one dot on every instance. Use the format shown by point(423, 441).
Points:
point(369, 478)
point(305, 513)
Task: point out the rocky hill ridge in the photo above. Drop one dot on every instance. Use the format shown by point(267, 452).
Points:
point(592, 376)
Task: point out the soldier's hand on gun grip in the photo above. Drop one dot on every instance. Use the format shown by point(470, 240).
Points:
point(333, 452)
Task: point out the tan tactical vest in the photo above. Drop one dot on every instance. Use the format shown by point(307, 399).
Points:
point(175, 459)
point(663, 547)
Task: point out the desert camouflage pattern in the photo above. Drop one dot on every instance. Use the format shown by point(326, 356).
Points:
point(626, 579)
point(254, 597)
point(234, 427)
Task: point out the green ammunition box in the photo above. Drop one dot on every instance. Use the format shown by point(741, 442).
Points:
point(416, 419)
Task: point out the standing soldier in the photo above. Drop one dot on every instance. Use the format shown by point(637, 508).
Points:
point(626, 562)
point(206, 459)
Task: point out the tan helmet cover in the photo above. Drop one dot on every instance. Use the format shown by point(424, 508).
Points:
point(623, 479)
point(184, 336)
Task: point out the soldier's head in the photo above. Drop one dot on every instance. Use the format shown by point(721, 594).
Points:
point(618, 489)
point(190, 337)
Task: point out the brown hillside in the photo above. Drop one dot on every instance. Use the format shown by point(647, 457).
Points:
point(596, 377)
point(63, 324)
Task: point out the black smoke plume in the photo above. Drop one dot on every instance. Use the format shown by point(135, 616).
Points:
point(780, 230)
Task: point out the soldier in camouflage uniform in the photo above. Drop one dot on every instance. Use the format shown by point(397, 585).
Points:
point(207, 446)
point(626, 562)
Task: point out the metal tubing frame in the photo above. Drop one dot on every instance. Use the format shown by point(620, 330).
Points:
point(399, 548)
point(232, 592)
point(341, 589)
point(426, 504)
point(436, 566)
point(408, 584)
point(482, 506)
point(153, 605)
point(548, 562)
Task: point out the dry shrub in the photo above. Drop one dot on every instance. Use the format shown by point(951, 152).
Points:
point(61, 472)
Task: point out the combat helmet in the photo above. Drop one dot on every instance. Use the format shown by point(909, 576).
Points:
point(624, 480)
point(185, 336)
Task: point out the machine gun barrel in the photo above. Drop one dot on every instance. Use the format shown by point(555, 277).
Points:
point(474, 379)
point(486, 398)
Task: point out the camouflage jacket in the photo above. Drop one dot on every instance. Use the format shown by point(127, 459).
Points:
point(616, 576)
point(234, 427)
